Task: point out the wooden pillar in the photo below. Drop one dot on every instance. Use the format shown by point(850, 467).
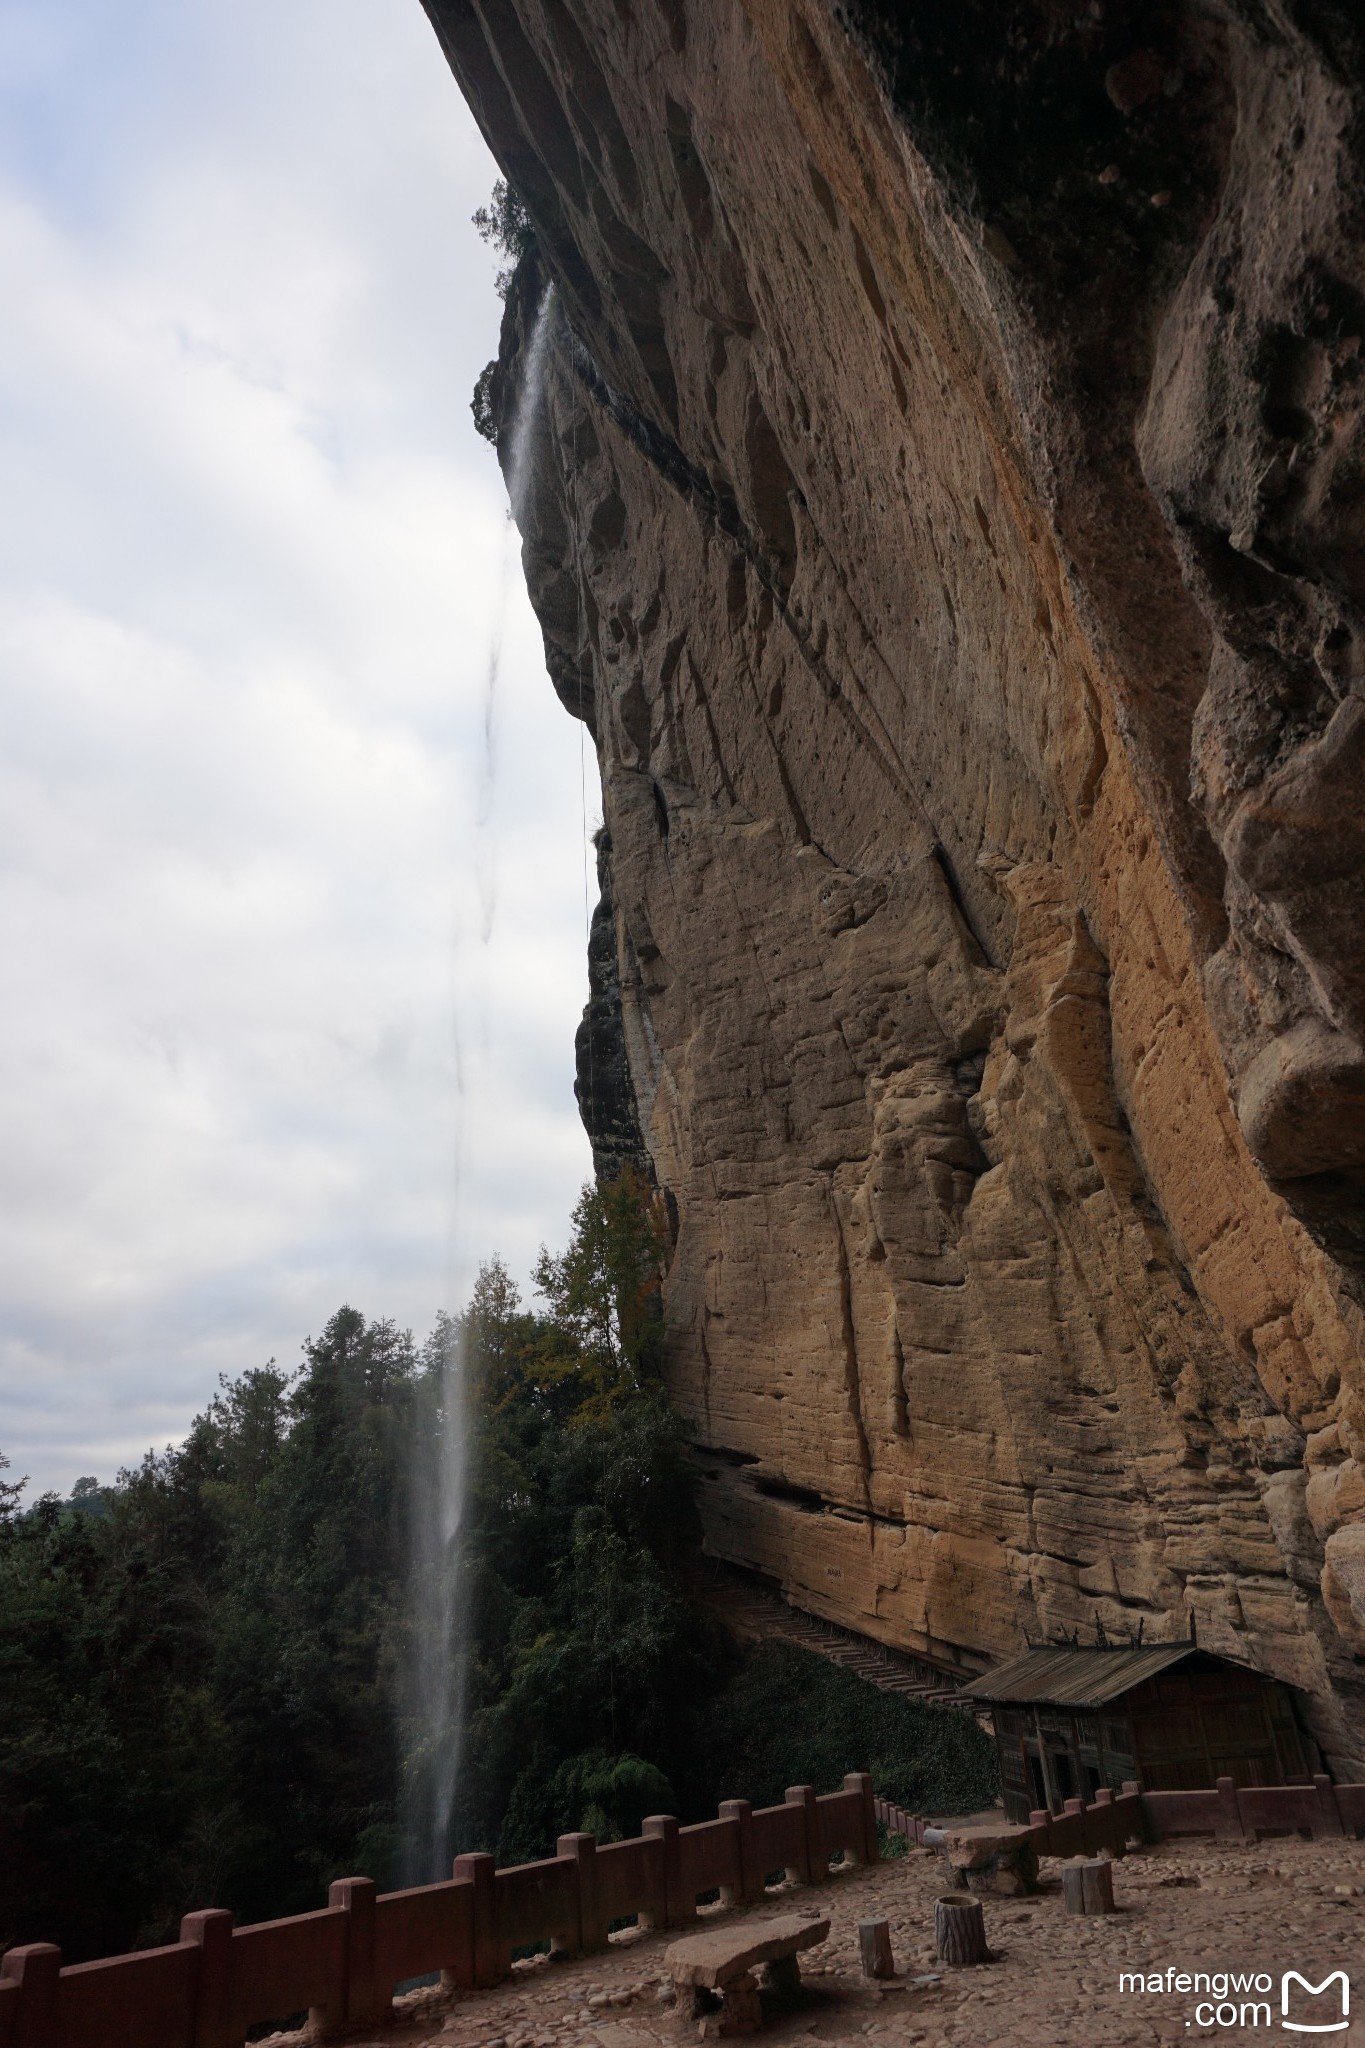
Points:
point(861, 1783)
point(1049, 1789)
point(1228, 1827)
point(36, 1968)
point(581, 1850)
point(814, 1868)
point(368, 2002)
point(478, 1870)
point(1328, 1817)
point(750, 1877)
point(677, 1911)
point(211, 1933)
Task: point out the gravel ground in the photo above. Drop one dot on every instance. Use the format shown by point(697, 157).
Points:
point(1196, 1906)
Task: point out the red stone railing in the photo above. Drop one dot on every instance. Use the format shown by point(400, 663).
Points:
point(342, 1964)
point(1230, 1812)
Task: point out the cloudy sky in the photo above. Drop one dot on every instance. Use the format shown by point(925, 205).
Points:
point(291, 912)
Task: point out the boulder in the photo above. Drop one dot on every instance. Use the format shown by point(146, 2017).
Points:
point(992, 1859)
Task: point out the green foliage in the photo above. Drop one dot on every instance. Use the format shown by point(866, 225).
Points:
point(604, 1795)
point(11, 1492)
point(201, 1690)
point(507, 227)
point(481, 404)
point(586, 1660)
point(195, 1685)
point(791, 1718)
point(890, 1847)
point(605, 1306)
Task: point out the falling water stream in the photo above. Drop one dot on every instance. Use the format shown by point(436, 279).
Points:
point(528, 405)
point(437, 1654)
point(439, 1649)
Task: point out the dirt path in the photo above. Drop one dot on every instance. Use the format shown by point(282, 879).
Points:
point(1267, 1909)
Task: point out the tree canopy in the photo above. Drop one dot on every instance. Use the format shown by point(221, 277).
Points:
point(206, 1668)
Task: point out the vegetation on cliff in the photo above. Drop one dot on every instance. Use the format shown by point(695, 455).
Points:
point(201, 1666)
point(785, 1717)
point(506, 226)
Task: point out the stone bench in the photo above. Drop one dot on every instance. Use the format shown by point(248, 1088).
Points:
point(991, 1859)
point(723, 1961)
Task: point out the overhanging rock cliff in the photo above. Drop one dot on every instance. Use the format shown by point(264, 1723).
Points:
point(947, 511)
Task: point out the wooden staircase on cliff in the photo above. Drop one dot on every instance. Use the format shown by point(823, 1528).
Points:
point(756, 1611)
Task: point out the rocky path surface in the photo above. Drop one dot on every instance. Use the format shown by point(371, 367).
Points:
point(1054, 1983)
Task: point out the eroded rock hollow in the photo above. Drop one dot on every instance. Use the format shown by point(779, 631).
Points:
point(945, 508)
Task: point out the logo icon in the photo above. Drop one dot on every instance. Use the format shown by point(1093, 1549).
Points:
point(1315, 1991)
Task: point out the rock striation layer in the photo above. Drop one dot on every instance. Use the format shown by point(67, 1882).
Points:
point(947, 513)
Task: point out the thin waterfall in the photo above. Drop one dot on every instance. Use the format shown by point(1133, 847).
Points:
point(438, 1659)
point(528, 405)
point(438, 1655)
point(485, 841)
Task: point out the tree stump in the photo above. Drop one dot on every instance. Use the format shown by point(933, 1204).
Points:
point(1097, 1883)
point(960, 1929)
point(874, 1941)
point(1088, 1885)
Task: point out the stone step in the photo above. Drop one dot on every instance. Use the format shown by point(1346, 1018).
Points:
point(759, 1616)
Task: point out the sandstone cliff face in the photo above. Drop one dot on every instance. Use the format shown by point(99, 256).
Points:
point(948, 515)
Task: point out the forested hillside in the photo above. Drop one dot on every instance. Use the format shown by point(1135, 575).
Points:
point(204, 1667)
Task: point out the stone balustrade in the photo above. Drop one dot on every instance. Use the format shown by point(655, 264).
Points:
point(343, 1963)
point(1228, 1811)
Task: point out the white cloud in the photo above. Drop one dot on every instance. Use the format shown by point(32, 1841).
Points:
point(252, 561)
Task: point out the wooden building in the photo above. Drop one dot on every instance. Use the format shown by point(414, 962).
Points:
point(1171, 1716)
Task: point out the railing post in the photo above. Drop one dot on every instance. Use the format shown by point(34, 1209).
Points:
point(367, 2000)
point(1328, 1821)
point(1130, 1818)
point(581, 1850)
point(457, 1965)
point(36, 1969)
point(478, 1870)
point(210, 1932)
point(1228, 1827)
point(678, 1911)
point(813, 1868)
point(861, 1782)
point(750, 1879)
point(651, 1914)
